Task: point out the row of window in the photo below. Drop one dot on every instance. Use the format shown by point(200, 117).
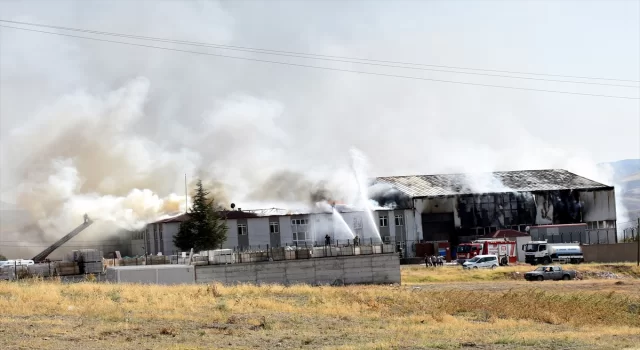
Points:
point(399, 220)
point(594, 225)
point(299, 228)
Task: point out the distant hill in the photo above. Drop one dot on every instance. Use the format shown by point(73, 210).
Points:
point(627, 177)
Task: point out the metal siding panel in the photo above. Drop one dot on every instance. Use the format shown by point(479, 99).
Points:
point(286, 235)
point(232, 234)
point(258, 231)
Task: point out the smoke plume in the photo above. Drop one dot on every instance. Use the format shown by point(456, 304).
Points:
point(111, 130)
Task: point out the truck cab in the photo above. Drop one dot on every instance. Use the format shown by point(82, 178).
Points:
point(466, 251)
point(535, 252)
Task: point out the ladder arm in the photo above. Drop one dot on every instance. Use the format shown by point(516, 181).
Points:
point(43, 255)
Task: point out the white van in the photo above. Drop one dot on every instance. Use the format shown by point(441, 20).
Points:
point(481, 262)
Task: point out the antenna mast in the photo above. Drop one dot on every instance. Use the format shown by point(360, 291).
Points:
point(186, 195)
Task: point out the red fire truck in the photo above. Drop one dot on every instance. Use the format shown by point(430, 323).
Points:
point(505, 250)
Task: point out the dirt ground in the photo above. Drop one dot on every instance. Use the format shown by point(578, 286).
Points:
point(629, 287)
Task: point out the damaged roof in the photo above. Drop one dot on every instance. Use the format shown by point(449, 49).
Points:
point(497, 182)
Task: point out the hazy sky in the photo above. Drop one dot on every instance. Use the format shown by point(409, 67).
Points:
point(244, 120)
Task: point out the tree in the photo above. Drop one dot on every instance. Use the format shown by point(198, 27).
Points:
point(3, 258)
point(204, 229)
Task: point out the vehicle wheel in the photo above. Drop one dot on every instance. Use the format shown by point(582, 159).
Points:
point(493, 267)
point(566, 277)
point(547, 261)
point(540, 278)
point(475, 267)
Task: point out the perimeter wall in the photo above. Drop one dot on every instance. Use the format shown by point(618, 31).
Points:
point(357, 269)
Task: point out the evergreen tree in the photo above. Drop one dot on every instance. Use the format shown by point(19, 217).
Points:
point(204, 229)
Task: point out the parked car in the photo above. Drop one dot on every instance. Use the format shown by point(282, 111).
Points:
point(555, 273)
point(481, 262)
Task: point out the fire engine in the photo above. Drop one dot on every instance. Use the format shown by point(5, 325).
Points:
point(505, 250)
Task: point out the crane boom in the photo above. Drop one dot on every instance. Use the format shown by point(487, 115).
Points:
point(43, 255)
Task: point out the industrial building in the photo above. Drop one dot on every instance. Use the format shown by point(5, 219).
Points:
point(279, 227)
point(449, 208)
point(457, 207)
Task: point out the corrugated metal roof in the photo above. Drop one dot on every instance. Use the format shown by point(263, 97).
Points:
point(497, 182)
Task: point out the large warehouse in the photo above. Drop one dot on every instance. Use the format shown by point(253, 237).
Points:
point(452, 208)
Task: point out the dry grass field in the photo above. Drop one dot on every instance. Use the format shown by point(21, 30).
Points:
point(417, 274)
point(487, 314)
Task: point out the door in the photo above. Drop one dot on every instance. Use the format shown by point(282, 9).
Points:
point(548, 273)
point(557, 273)
point(274, 232)
point(438, 227)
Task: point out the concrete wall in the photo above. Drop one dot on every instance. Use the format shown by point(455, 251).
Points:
point(610, 252)
point(361, 269)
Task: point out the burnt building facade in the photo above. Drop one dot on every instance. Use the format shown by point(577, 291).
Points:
point(459, 207)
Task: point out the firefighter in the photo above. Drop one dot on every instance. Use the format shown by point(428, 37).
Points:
point(81, 263)
point(327, 240)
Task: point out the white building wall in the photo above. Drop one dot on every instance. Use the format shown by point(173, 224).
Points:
point(519, 242)
point(286, 234)
point(410, 224)
point(232, 234)
point(169, 230)
point(392, 224)
point(320, 225)
point(258, 229)
point(368, 227)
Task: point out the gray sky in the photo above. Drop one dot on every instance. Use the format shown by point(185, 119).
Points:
point(242, 121)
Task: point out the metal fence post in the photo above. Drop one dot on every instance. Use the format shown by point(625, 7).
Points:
point(638, 235)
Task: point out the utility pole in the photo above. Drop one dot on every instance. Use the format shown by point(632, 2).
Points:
point(638, 242)
point(186, 195)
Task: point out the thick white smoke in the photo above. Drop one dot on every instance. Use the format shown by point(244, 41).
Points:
point(111, 130)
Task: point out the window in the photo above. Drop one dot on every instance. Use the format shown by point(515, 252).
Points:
point(383, 221)
point(399, 220)
point(242, 229)
point(299, 222)
point(274, 228)
point(299, 236)
point(299, 228)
